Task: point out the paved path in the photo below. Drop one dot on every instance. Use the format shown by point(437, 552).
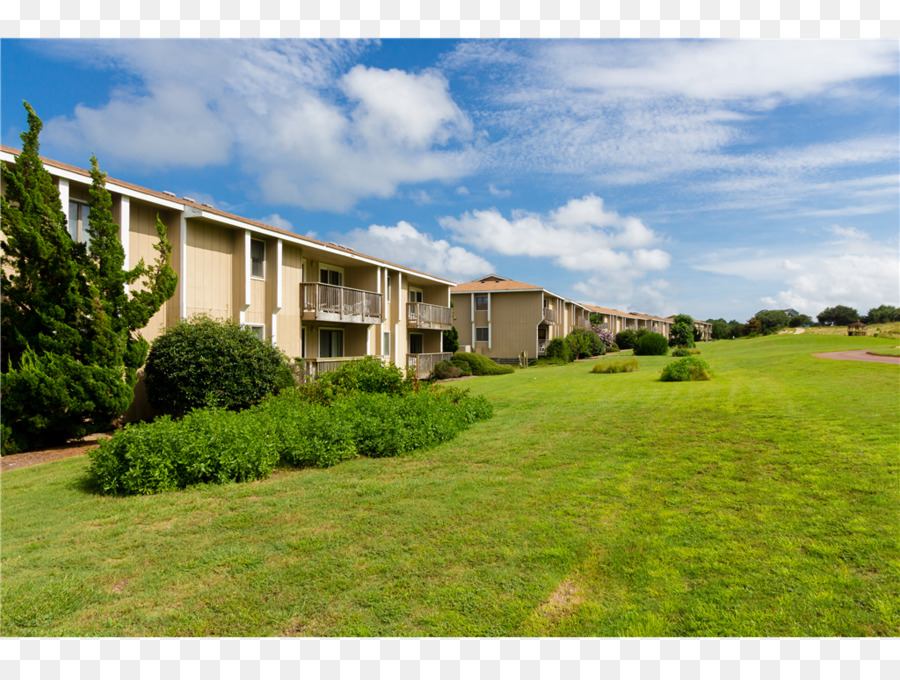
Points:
point(858, 355)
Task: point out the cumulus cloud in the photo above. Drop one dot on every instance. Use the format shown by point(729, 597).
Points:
point(845, 266)
point(582, 235)
point(406, 245)
point(315, 131)
point(277, 221)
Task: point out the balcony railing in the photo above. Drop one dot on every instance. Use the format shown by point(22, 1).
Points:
point(542, 348)
point(423, 315)
point(549, 315)
point(324, 302)
point(421, 365)
point(313, 368)
point(582, 322)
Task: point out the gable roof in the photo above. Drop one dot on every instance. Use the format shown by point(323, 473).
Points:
point(492, 283)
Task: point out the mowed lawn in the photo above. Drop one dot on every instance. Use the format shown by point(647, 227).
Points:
point(765, 502)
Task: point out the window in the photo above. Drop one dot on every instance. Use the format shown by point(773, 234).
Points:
point(481, 302)
point(331, 275)
point(78, 221)
point(415, 295)
point(303, 342)
point(386, 343)
point(331, 343)
point(257, 259)
point(482, 333)
point(259, 330)
point(389, 288)
point(416, 343)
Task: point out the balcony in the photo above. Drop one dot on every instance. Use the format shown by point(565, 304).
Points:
point(422, 315)
point(421, 365)
point(550, 316)
point(581, 322)
point(313, 368)
point(324, 302)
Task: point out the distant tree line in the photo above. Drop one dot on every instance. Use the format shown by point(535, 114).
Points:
point(767, 321)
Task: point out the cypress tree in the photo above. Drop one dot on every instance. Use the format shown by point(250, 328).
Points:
point(70, 348)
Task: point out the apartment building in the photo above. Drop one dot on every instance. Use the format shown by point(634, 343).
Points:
point(502, 318)
point(616, 321)
point(320, 302)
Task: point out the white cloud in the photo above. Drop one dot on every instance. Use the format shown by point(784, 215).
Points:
point(405, 245)
point(581, 235)
point(462, 191)
point(277, 221)
point(274, 106)
point(494, 191)
point(846, 266)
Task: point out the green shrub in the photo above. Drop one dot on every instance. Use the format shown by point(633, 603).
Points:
point(543, 362)
point(462, 365)
point(207, 445)
point(216, 446)
point(204, 362)
point(613, 348)
point(482, 365)
point(684, 352)
point(690, 368)
point(626, 339)
point(618, 366)
point(651, 344)
point(585, 343)
point(369, 374)
point(558, 348)
point(445, 371)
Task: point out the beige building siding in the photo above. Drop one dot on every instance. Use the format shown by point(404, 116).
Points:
point(256, 313)
point(142, 238)
point(210, 270)
point(289, 328)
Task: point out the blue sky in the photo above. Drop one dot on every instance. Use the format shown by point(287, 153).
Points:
point(715, 178)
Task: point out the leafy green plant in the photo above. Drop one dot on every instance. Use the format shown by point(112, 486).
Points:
point(444, 370)
point(651, 344)
point(369, 374)
point(684, 352)
point(585, 343)
point(482, 365)
point(618, 366)
point(689, 368)
point(205, 362)
point(558, 348)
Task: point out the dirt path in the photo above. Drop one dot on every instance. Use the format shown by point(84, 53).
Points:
point(858, 355)
point(29, 458)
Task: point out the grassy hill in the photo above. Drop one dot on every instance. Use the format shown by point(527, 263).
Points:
point(761, 503)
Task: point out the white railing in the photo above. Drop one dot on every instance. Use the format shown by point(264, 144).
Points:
point(423, 364)
point(424, 315)
point(550, 315)
point(313, 368)
point(324, 302)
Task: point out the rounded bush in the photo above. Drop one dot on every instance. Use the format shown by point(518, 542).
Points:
point(558, 348)
point(651, 344)
point(369, 374)
point(586, 343)
point(204, 362)
point(689, 368)
point(482, 365)
point(445, 371)
point(684, 352)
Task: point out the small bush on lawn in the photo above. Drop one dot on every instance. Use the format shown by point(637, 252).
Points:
point(215, 446)
point(207, 445)
point(543, 362)
point(585, 343)
point(618, 366)
point(627, 338)
point(204, 362)
point(462, 365)
point(689, 368)
point(482, 365)
point(651, 344)
point(684, 352)
point(558, 348)
point(446, 371)
point(613, 348)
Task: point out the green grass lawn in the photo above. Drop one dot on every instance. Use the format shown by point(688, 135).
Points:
point(764, 502)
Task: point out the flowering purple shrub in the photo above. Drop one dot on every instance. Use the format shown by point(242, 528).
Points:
point(605, 335)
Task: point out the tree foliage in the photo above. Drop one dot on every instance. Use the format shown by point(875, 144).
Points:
point(800, 320)
point(70, 349)
point(839, 315)
point(882, 314)
point(771, 320)
point(681, 333)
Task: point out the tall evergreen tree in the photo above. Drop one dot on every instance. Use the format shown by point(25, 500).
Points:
point(70, 349)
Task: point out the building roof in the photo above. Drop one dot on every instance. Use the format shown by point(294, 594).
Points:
point(206, 210)
point(492, 283)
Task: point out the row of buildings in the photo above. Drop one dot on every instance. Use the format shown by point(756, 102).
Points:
point(322, 302)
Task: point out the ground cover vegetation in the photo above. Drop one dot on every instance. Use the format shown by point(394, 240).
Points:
point(685, 370)
point(760, 503)
point(363, 408)
point(617, 366)
point(684, 352)
point(71, 310)
point(478, 364)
